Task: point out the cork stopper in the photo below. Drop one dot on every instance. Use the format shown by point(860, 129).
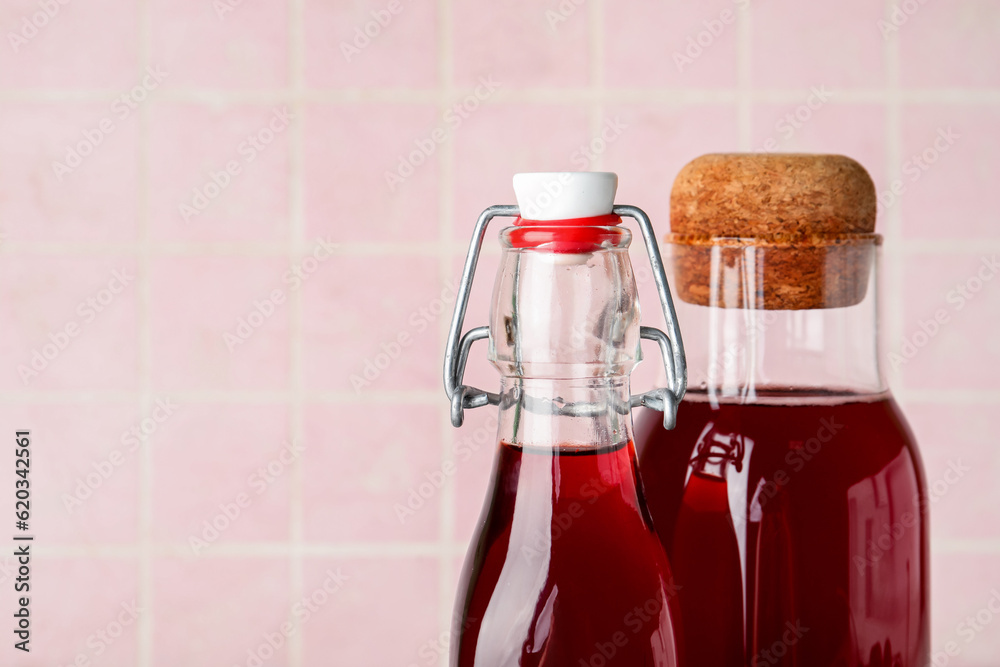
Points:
point(794, 231)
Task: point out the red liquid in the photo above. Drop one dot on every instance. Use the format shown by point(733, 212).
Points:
point(795, 532)
point(565, 570)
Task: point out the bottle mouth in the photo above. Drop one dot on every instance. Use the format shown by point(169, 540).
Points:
point(572, 236)
point(784, 271)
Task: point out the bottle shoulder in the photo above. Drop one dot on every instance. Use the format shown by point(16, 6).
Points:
point(827, 439)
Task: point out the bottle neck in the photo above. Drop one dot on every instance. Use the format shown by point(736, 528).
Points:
point(564, 334)
point(744, 355)
point(779, 320)
point(563, 314)
point(574, 414)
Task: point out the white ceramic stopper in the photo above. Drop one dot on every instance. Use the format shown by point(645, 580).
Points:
point(564, 195)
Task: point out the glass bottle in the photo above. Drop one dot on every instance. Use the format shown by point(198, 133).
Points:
point(564, 569)
point(791, 496)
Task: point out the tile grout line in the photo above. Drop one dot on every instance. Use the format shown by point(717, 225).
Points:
point(234, 249)
point(566, 96)
point(892, 312)
point(966, 546)
point(429, 397)
point(426, 249)
point(145, 597)
point(744, 100)
point(374, 550)
point(446, 236)
point(249, 550)
point(595, 12)
point(296, 238)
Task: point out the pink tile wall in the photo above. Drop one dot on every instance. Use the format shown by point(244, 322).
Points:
point(376, 134)
point(213, 46)
point(516, 43)
point(296, 320)
point(230, 186)
point(668, 35)
point(45, 50)
point(795, 44)
point(343, 49)
point(80, 203)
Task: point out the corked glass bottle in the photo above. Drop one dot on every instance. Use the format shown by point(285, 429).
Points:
point(791, 496)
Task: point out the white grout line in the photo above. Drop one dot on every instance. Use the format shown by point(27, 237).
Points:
point(415, 397)
point(891, 310)
point(598, 106)
point(246, 550)
point(947, 246)
point(455, 248)
point(296, 241)
point(966, 547)
point(598, 52)
point(949, 396)
point(446, 234)
point(145, 597)
point(407, 96)
point(744, 76)
point(380, 550)
point(186, 249)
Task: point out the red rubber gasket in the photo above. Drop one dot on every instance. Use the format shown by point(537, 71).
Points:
point(574, 235)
